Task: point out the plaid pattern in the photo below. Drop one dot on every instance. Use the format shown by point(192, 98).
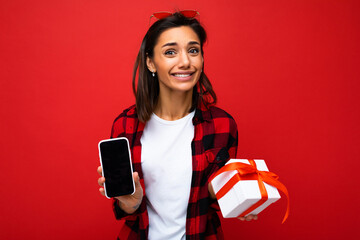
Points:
point(215, 141)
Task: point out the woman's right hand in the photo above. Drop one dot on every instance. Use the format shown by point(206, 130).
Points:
point(128, 203)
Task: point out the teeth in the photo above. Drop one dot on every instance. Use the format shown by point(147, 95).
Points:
point(182, 75)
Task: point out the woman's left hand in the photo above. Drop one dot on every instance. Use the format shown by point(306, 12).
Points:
point(248, 217)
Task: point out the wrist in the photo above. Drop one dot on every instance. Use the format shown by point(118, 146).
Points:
point(129, 207)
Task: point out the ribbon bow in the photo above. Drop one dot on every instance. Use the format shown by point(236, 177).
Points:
point(250, 172)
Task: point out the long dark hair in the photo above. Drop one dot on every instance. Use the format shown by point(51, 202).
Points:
point(147, 90)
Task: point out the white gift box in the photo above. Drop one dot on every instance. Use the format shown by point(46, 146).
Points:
point(244, 193)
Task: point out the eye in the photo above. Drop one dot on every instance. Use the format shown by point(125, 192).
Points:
point(194, 51)
point(170, 52)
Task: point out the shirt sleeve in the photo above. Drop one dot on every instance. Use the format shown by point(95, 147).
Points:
point(220, 155)
point(223, 151)
point(121, 214)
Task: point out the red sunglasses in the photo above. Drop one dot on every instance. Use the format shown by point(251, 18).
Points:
point(186, 13)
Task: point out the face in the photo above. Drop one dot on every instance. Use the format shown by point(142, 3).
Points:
point(177, 60)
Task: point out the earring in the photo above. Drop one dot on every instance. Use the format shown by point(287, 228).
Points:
point(153, 74)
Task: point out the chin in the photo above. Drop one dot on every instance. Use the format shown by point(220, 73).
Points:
point(185, 87)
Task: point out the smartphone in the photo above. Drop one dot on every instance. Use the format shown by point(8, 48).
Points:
point(115, 160)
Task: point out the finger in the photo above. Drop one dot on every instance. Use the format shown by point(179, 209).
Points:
point(136, 179)
point(101, 181)
point(241, 218)
point(139, 192)
point(255, 217)
point(99, 170)
point(102, 191)
point(251, 217)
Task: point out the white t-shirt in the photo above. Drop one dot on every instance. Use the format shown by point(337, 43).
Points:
point(166, 161)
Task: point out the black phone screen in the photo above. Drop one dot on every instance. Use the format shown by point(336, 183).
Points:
point(116, 164)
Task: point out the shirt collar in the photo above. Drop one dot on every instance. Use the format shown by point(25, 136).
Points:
point(202, 114)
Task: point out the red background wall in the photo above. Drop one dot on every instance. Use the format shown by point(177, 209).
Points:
point(288, 71)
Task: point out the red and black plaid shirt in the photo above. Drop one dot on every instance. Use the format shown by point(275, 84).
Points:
point(215, 141)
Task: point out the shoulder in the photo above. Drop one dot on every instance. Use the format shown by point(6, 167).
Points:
point(217, 112)
point(219, 129)
point(128, 112)
point(223, 121)
point(126, 117)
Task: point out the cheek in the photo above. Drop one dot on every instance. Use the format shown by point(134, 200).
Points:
point(198, 62)
point(164, 65)
point(201, 63)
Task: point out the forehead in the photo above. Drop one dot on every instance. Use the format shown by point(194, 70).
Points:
point(183, 34)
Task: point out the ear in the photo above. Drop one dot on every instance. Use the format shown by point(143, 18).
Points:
point(150, 64)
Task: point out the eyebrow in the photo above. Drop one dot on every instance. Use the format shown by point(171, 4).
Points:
point(174, 44)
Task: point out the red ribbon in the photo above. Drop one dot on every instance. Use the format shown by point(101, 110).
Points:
point(250, 172)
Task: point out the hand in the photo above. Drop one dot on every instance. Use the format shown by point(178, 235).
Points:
point(248, 217)
point(129, 203)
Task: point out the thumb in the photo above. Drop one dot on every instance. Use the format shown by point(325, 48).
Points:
point(136, 179)
point(138, 188)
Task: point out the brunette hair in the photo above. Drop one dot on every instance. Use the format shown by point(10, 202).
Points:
point(147, 90)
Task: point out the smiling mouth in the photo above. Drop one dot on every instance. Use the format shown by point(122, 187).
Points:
point(182, 75)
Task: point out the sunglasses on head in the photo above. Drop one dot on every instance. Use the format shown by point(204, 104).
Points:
point(186, 13)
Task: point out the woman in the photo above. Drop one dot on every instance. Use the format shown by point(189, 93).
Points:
point(178, 138)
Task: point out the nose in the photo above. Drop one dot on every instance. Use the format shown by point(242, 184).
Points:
point(184, 60)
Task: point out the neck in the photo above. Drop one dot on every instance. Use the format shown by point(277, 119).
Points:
point(173, 106)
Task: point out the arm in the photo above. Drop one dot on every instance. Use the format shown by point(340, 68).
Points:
point(124, 206)
point(222, 158)
point(225, 149)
